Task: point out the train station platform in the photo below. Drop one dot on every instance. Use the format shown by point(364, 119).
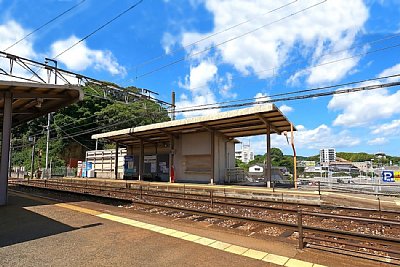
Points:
point(39, 231)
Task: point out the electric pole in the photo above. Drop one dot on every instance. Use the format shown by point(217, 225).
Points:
point(33, 140)
point(47, 143)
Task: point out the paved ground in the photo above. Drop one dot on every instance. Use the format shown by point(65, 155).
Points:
point(38, 232)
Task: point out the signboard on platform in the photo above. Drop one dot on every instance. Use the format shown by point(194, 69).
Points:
point(391, 176)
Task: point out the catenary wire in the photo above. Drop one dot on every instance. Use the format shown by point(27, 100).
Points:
point(44, 25)
point(226, 41)
point(324, 55)
point(213, 35)
point(336, 61)
point(71, 136)
point(100, 28)
point(340, 91)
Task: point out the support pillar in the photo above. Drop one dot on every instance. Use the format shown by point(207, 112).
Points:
point(141, 160)
point(212, 133)
point(116, 161)
point(268, 166)
point(156, 151)
point(5, 147)
point(171, 159)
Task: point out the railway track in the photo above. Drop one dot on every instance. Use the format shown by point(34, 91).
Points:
point(371, 234)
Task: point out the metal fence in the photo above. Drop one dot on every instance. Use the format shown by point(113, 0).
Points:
point(20, 173)
point(354, 185)
point(235, 175)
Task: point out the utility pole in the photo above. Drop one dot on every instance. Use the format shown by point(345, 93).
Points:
point(173, 106)
point(32, 139)
point(47, 142)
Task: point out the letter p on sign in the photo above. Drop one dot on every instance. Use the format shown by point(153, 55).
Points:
point(388, 176)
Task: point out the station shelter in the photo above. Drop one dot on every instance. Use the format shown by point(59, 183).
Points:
point(24, 101)
point(195, 150)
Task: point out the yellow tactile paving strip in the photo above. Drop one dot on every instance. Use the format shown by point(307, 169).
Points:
point(223, 246)
point(227, 247)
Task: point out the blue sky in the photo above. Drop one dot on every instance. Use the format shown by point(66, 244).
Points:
point(269, 52)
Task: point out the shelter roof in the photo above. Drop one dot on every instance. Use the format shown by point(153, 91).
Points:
point(32, 100)
point(229, 124)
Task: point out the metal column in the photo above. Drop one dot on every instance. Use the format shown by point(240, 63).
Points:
point(5, 147)
point(212, 157)
point(268, 158)
point(47, 142)
point(171, 159)
point(141, 160)
point(116, 161)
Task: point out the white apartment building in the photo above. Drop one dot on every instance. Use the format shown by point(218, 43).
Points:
point(244, 153)
point(327, 155)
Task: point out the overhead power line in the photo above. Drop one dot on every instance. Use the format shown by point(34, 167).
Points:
point(227, 41)
point(214, 34)
point(337, 92)
point(100, 28)
point(293, 92)
point(340, 91)
point(328, 54)
point(45, 24)
point(71, 136)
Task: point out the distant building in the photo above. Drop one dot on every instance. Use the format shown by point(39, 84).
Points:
point(306, 163)
point(256, 171)
point(364, 166)
point(380, 155)
point(244, 153)
point(340, 166)
point(327, 155)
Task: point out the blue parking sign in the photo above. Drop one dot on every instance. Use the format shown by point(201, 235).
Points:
point(388, 176)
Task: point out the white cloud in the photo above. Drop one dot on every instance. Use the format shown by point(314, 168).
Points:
point(225, 85)
point(323, 136)
point(317, 138)
point(81, 57)
point(286, 109)
point(391, 71)
point(197, 83)
point(329, 72)
point(261, 97)
point(388, 129)
point(331, 26)
point(377, 141)
point(168, 41)
point(11, 32)
point(364, 107)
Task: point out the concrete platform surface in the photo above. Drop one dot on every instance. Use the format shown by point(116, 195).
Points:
point(40, 232)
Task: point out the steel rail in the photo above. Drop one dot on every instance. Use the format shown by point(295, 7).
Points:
point(216, 197)
point(261, 200)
